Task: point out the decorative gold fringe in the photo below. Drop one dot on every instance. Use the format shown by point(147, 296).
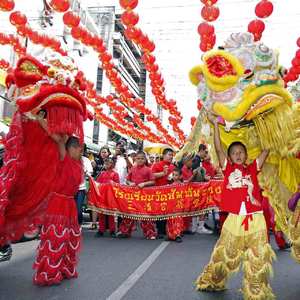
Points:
point(230, 250)
point(294, 233)
point(142, 217)
point(276, 130)
point(257, 270)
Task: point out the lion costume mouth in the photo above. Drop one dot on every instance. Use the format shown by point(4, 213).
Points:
point(37, 89)
point(224, 75)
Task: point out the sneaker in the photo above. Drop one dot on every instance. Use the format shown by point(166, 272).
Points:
point(93, 226)
point(178, 239)
point(113, 235)
point(5, 253)
point(203, 230)
point(122, 235)
point(152, 237)
point(99, 234)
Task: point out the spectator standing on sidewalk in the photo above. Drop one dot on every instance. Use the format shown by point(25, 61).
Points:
point(81, 194)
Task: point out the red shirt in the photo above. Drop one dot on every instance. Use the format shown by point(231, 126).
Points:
point(140, 174)
point(108, 176)
point(235, 190)
point(186, 173)
point(159, 167)
point(209, 168)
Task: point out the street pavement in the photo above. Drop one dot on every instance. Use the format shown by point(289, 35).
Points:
point(135, 268)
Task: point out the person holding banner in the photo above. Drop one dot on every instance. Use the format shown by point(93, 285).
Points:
point(139, 176)
point(162, 170)
point(108, 175)
point(244, 235)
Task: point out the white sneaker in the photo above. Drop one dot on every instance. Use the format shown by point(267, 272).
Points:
point(203, 230)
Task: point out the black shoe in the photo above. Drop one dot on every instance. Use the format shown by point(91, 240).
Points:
point(208, 227)
point(188, 232)
point(122, 235)
point(178, 239)
point(160, 236)
point(99, 234)
point(5, 253)
point(113, 234)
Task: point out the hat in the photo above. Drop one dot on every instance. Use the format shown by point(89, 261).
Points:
point(130, 152)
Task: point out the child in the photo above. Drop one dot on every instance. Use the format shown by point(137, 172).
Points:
point(107, 176)
point(244, 235)
point(187, 176)
point(60, 233)
point(161, 171)
point(175, 226)
point(199, 175)
point(141, 176)
point(209, 168)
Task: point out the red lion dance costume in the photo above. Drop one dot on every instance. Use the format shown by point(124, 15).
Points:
point(32, 190)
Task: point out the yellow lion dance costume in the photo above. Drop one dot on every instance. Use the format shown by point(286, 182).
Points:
point(242, 84)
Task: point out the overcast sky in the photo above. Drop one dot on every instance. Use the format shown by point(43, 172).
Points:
point(172, 24)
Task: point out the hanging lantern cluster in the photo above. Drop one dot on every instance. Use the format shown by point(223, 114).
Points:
point(294, 71)
point(19, 20)
point(4, 64)
point(209, 13)
point(14, 42)
point(85, 37)
point(262, 10)
point(7, 5)
point(130, 19)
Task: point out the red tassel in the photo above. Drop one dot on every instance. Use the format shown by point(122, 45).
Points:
point(65, 120)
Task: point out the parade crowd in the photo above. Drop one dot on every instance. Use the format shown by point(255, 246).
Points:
point(137, 168)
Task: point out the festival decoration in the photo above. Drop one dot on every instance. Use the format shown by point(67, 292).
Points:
point(264, 9)
point(52, 85)
point(60, 5)
point(7, 5)
point(209, 13)
point(155, 203)
point(253, 107)
point(16, 18)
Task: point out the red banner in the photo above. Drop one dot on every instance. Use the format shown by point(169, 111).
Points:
point(155, 203)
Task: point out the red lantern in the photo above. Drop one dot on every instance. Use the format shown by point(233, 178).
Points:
point(133, 33)
point(264, 9)
point(298, 54)
point(298, 42)
point(22, 31)
point(76, 32)
point(70, 19)
point(199, 104)
point(129, 4)
point(209, 39)
point(193, 121)
point(150, 46)
point(148, 58)
point(129, 18)
point(16, 18)
point(205, 29)
point(7, 5)
point(209, 2)
point(210, 13)
point(296, 62)
point(256, 26)
point(60, 5)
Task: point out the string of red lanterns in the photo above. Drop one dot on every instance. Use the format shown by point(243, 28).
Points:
point(19, 20)
point(129, 18)
point(209, 13)
point(7, 5)
point(14, 41)
point(84, 36)
point(263, 9)
point(10, 39)
point(293, 73)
